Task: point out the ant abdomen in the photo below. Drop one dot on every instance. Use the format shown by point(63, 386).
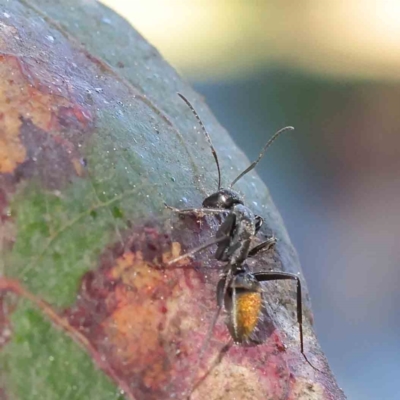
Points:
point(243, 303)
point(243, 318)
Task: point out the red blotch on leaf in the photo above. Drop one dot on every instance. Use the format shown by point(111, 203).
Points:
point(150, 323)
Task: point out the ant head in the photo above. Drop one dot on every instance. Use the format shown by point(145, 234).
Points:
point(224, 198)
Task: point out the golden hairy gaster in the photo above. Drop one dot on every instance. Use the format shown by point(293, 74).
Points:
point(248, 307)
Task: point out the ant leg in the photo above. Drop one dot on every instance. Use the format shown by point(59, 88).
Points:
point(221, 291)
point(225, 230)
point(222, 287)
point(198, 211)
point(259, 221)
point(264, 246)
point(275, 276)
point(214, 364)
point(197, 249)
point(227, 227)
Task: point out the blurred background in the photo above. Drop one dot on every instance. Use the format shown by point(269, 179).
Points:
point(332, 70)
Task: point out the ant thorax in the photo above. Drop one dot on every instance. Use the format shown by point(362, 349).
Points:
point(239, 228)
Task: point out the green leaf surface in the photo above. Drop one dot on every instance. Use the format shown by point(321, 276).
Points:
point(41, 363)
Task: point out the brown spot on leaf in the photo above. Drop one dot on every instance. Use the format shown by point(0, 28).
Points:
point(29, 105)
point(128, 310)
point(150, 323)
point(50, 158)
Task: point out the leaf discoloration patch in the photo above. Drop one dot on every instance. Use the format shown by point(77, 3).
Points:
point(40, 129)
point(128, 308)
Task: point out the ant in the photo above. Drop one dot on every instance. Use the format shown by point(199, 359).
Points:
point(241, 224)
point(239, 290)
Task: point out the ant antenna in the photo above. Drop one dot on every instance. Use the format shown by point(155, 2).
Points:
point(206, 135)
point(254, 163)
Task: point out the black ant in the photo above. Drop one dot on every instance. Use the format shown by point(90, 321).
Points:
point(241, 224)
point(239, 289)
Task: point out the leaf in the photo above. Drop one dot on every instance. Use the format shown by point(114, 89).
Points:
point(93, 141)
